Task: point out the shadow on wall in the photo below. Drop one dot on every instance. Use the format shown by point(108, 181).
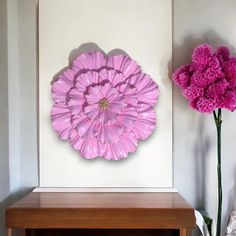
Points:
point(204, 141)
point(231, 202)
point(89, 47)
point(86, 47)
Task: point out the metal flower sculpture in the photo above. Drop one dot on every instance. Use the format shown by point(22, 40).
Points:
point(104, 105)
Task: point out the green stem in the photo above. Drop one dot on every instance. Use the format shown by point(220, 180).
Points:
point(218, 122)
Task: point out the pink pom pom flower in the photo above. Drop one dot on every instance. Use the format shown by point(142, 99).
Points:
point(104, 105)
point(209, 82)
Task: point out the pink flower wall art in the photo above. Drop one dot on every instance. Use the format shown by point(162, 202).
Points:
point(104, 105)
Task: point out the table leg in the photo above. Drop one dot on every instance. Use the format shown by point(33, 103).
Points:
point(9, 232)
point(185, 232)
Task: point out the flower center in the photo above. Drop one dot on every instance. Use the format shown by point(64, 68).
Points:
point(103, 103)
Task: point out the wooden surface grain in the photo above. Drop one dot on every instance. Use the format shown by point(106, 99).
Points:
point(101, 211)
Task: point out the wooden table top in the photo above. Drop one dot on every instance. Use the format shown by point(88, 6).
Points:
point(100, 210)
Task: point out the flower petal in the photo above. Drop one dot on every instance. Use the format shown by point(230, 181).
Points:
point(192, 92)
point(117, 104)
point(75, 101)
point(229, 99)
point(107, 115)
point(102, 91)
point(93, 111)
point(83, 125)
point(123, 64)
point(62, 86)
point(182, 76)
point(230, 71)
point(145, 123)
point(129, 94)
point(89, 61)
point(75, 140)
point(108, 133)
point(127, 118)
point(216, 90)
point(202, 54)
point(223, 53)
point(111, 94)
point(84, 80)
point(205, 105)
point(95, 94)
point(114, 76)
point(61, 120)
point(107, 90)
point(126, 144)
point(147, 89)
point(89, 148)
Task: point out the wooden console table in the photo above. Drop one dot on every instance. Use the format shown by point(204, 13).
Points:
point(93, 214)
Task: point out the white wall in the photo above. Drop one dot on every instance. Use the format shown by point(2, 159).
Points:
point(147, 27)
point(195, 22)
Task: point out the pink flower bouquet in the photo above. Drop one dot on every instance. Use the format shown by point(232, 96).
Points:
point(209, 84)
